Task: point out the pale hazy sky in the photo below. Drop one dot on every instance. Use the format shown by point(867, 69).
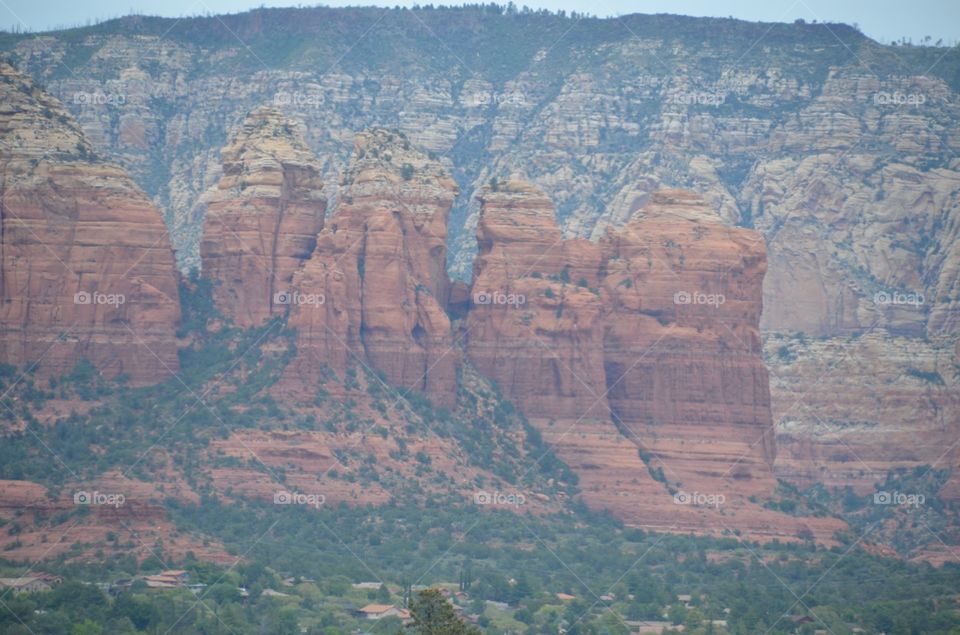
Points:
point(882, 20)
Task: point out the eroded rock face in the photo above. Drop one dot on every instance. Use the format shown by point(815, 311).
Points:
point(638, 356)
point(262, 218)
point(87, 267)
point(521, 309)
point(378, 276)
point(683, 360)
point(883, 402)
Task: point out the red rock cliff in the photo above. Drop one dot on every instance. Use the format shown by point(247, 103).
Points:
point(87, 267)
point(377, 276)
point(638, 356)
point(262, 218)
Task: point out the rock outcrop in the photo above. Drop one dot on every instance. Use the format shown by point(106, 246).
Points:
point(849, 410)
point(87, 267)
point(374, 291)
point(638, 357)
point(262, 218)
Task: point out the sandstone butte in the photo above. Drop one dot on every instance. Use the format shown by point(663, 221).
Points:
point(87, 267)
point(374, 291)
point(262, 219)
point(643, 394)
point(638, 356)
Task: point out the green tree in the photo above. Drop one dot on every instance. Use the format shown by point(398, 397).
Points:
point(433, 615)
point(87, 627)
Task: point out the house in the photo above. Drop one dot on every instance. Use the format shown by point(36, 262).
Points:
point(800, 619)
point(380, 611)
point(27, 584)
point(159, 582)
point(295, 580)
point(179, 574)
point(171, 579)
point(685, 599)
point(120, 585)
point(49, 578)
point(609, 597)
point(367, 585)
point(565, 597)
point(270, 593)
point(648, 627)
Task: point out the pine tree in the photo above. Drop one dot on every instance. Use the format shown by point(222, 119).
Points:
point(433, 615)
